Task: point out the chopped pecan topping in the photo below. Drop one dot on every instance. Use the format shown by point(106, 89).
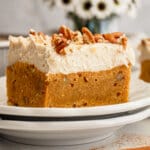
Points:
point(77, 37)
point(124, 42)
point(117, 34)
point(32, 32)
point(99, 38)
point(65, 36)
point(67, 33)
point(87, 35)
point(112, 37)
point(116, 37)
point(59, 43)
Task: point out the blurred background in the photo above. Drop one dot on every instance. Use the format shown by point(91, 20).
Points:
point(18, 16)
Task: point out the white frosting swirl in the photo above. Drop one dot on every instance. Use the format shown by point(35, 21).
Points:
point(79, 58)
point(144, 48)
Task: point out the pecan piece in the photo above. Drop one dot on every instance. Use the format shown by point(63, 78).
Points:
point(59, 43)
point(60, 47)
point(99, 38)
point(32, 32)
point(112, 37)
point(77, 37)
point(67, 33)
point(124, 42)
point(109, 37)
point(117, 34)
point(87, 35)
point(116, 37)
point(56, 39)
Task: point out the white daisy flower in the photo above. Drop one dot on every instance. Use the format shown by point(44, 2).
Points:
point(50, 3)
point(131, 10)
point(67, 5)
point(120, 6)
point(102, 8)
point(137, 3)
point(84, 9)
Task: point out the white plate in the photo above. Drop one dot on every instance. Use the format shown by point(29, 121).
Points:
point(139, 98)
point(66, 132)
point(4, 44)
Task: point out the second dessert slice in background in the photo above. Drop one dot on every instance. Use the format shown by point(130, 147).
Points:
point(144, 48)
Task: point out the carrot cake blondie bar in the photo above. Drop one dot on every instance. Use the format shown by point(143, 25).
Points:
point(68, 69)
point(144, 48)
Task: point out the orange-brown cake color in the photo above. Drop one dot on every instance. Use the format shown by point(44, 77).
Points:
point(144, 58)
point(145, 70)
point(27, 86)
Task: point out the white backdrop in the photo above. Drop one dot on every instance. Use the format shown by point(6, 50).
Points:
point(17, 16)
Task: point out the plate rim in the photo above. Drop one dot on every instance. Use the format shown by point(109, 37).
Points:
point(4, 43)
point(70, 112)
point(73, 125)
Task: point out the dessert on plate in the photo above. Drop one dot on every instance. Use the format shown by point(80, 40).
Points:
point(68, 69)
point(144, 48)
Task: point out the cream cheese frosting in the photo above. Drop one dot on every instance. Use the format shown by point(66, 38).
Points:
point(144, 48)
point(79, 57)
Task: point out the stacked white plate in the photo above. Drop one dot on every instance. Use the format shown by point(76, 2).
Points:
point(70, 126)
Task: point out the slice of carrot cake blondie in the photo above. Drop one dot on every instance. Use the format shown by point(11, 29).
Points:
point(68, 69)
